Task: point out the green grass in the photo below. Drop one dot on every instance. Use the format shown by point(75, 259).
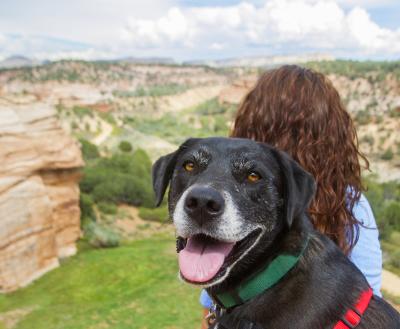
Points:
point(133, 286)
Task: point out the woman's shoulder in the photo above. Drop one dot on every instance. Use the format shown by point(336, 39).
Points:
point(362, 211)
point(366, 253)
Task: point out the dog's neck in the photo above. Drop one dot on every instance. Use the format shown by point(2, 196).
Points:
point(268, 269)
point(260, 281)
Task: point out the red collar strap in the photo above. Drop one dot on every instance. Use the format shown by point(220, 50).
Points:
point(352, 318)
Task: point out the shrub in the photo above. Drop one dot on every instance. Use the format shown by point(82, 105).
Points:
point(89, 150)
point(395, 113)
point(101, 236)
point(155, 214)
point(363, 117)
point(107, 208)
point(86, 204)
point(107, 116)
point(211, 106)
point(395, 259)
point(125, 189)
point(391, 215)
point(125, 146)
point(384, 199)
point(82, 111)
point(220, 126)
point(367, 139)
point(92, 176)
point(122, 178)
point(387, 155)
point(159, 90)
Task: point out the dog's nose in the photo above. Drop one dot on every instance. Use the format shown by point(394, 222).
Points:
point(204, 203)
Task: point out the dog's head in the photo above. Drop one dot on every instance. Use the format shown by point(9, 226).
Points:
point(229, 199)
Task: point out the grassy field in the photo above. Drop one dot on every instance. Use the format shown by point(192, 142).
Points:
point(133, 286)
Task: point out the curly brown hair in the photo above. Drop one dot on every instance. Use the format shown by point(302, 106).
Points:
point(299, 111)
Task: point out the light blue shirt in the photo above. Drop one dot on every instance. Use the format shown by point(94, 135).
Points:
point(366, 254)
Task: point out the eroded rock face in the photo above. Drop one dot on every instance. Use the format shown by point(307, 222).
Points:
point(39, 193)
point(235, 93)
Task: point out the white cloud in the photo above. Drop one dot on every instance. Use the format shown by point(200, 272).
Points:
point(173, 28)
point(105, 28)
point(304, 24)
point(217, 46)
point(89, 21)
point(369, 36)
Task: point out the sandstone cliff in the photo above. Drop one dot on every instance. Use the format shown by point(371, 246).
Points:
point(39, 194)
point(235, 93)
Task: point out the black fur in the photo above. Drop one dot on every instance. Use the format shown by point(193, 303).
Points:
point(324, 283)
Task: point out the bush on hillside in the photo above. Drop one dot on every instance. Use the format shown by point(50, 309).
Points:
point(101, 236)
point(123, 178)
point(125, 146)
point(385, 202)
point(81, 111)
point(86, 205)
point(363, 117)
point(387, 155)
point(122, 188)
point(154, 214)
point(107, 208)
point(89, 150)
point(159, 90)
point(210, 107)
point(391, 215)
point(395, 259)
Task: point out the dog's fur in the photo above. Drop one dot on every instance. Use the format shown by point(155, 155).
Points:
point(267, 218)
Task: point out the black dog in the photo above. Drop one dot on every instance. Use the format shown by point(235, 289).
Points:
point(239, 208)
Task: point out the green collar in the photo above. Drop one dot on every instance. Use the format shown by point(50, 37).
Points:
point(261, 281)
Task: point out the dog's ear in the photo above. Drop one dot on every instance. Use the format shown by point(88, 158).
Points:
point(163, 169)
point(161, 174)
point(298, 186)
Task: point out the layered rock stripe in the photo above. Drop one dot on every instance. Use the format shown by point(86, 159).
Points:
point(39, 193)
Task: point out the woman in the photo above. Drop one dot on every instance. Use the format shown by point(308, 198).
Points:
point(300, 112)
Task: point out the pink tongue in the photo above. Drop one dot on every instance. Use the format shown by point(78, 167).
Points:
point(200, 261)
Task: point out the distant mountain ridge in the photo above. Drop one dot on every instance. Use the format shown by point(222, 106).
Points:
point(263, 61)
point(16, 61)
point(147, 60)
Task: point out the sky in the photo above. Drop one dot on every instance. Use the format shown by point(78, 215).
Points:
point(199, 29)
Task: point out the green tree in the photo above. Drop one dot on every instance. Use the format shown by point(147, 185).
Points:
point(89, 150)
point(125, 146)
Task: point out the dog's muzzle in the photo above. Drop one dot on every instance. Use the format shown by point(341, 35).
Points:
point(203, 204)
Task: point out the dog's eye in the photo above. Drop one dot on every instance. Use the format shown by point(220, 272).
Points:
point(253, 177)
point(188, 166)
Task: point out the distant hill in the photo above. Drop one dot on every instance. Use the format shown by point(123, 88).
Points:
point(147, 60)
point(262, 61)
point(18, 61)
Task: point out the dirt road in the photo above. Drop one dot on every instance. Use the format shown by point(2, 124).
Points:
point(391, 283)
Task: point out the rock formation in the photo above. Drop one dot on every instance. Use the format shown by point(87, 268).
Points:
point(39, 193)
point(236, 92)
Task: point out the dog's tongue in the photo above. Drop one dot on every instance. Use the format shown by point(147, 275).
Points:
point(201, 259)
